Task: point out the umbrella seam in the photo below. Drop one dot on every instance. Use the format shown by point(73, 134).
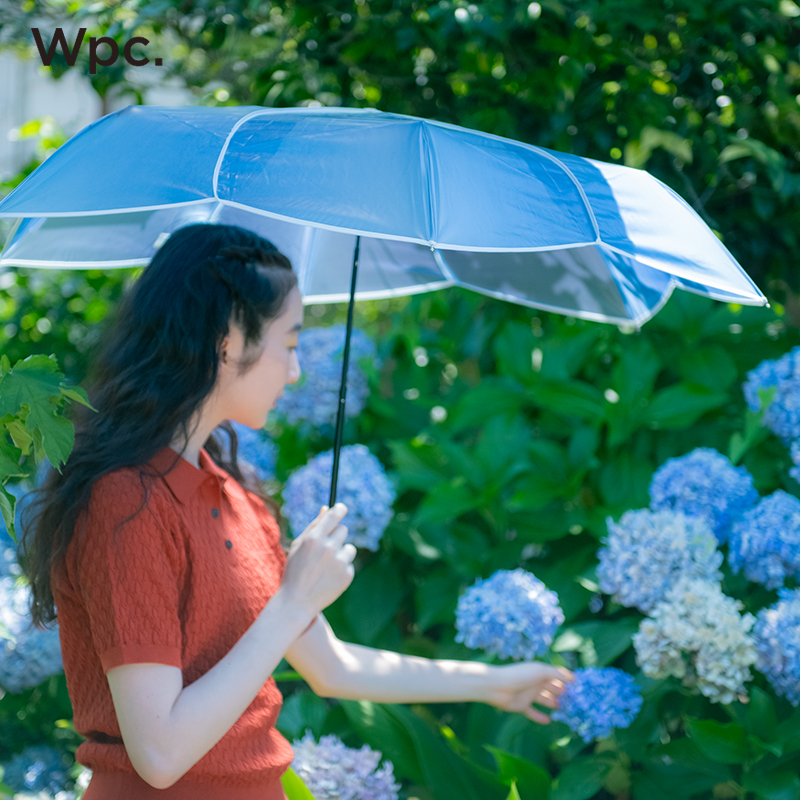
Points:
point(238, 124)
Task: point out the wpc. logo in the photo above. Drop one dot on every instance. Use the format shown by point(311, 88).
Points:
point(71, 54)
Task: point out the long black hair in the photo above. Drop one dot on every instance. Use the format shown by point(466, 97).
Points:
point(157, 365)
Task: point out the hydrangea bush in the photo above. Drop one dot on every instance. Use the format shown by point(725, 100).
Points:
point(647, 551)
point(511, 614)
point(256, 451)
point(37, 769)
point(597, 701)
point(332, 771)
point(765, 541)
point(28, 655)
point(697, 634)
point(363, 487)
point(777, 638)
point(782, 416)
point(315, 397)
point(704, 484)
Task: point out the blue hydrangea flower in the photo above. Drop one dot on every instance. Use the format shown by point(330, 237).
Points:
point(363, 487)
point(315, 397)
point(598, 700)
point(795, 454)
point(703, 483)
point(782, 416)
point(28, 656)
point(511, 614)
point(647, 551)
point(256, 451)
point(777, 637)
point(39, 768)
point(333, 771)
point(765, 541)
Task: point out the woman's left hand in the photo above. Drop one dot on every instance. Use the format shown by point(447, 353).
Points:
point(518, 686)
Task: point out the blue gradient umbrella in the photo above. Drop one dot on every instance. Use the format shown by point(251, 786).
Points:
point(368, 205)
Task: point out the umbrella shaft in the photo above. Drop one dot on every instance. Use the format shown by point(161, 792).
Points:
point(337, 441)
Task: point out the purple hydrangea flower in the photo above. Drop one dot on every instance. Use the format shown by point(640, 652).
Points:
point(315, 397)
point(332, 771)
point(38, 768)
point(703, 483)
point(28, 655)
point(765, 541)
point(257, 451)
point(363, 487)
point(598, 700)
point(647, 551)
point(511, 614)
point(777, 637)
point(782, 416)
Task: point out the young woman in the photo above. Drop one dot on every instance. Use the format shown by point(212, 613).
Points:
point(174, 597)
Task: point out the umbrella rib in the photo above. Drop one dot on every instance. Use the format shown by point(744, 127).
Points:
point(238, 124)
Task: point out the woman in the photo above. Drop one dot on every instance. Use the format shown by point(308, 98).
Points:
point(175, 599)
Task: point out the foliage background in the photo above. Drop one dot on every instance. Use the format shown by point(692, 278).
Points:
point(527, 462)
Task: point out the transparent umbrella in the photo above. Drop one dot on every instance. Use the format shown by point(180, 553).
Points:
point(370, 205)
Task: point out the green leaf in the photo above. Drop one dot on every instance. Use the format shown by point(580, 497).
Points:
point(513, 793)
point(302, 711)
point(710, 366)
point(723, 742)
point(435, 598)
point(373, 599)
point(35, 384)
point(638, 151)
point(21, 438)
point(781, 785)
point(78, 395)
point(682, 404)
point(582, 778)
point(570, 398)
point(446, 502)
point(760, 719)
point(609, 638)
point(379, 728)
point(9, 460)
point(294, 788)
point(7, 505)
point(530, 780)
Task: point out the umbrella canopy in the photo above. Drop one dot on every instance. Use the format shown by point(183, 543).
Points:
point(436, 205)
point(370, 205)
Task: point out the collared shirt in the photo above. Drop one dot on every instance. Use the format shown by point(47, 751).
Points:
point(174, 580)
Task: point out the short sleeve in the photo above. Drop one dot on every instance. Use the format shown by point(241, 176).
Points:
point(130, 567)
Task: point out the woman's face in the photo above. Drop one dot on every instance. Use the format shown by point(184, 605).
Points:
point(249, 396)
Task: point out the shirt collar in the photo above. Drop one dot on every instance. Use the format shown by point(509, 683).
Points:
point(183, 478)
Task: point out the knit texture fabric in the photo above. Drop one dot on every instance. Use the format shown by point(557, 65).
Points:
point(177, 582)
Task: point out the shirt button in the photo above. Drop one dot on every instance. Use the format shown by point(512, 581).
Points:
point(228, 544)
point(215, 512)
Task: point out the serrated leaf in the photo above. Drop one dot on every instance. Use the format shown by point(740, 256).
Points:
point(7, 505)
point(21, 438)
point(530, 780)
point(78, 395)
point(9, 459)
point(682, 404)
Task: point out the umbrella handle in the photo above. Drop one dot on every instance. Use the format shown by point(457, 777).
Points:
point(337, 439)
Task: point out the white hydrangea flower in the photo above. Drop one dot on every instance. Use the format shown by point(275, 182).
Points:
point(697, 634)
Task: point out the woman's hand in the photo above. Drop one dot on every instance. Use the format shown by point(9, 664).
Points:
point(319, 565)
point(517, 686)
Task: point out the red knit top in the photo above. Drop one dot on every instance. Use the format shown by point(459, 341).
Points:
point(177, 584)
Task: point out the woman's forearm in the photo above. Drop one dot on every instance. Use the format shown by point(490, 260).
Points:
point(364, 673)
point(164, 746)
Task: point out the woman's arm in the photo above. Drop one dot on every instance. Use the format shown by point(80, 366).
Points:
point(334, 668)
point(167, 728)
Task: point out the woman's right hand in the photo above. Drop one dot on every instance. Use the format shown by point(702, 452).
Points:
point(319, 565)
